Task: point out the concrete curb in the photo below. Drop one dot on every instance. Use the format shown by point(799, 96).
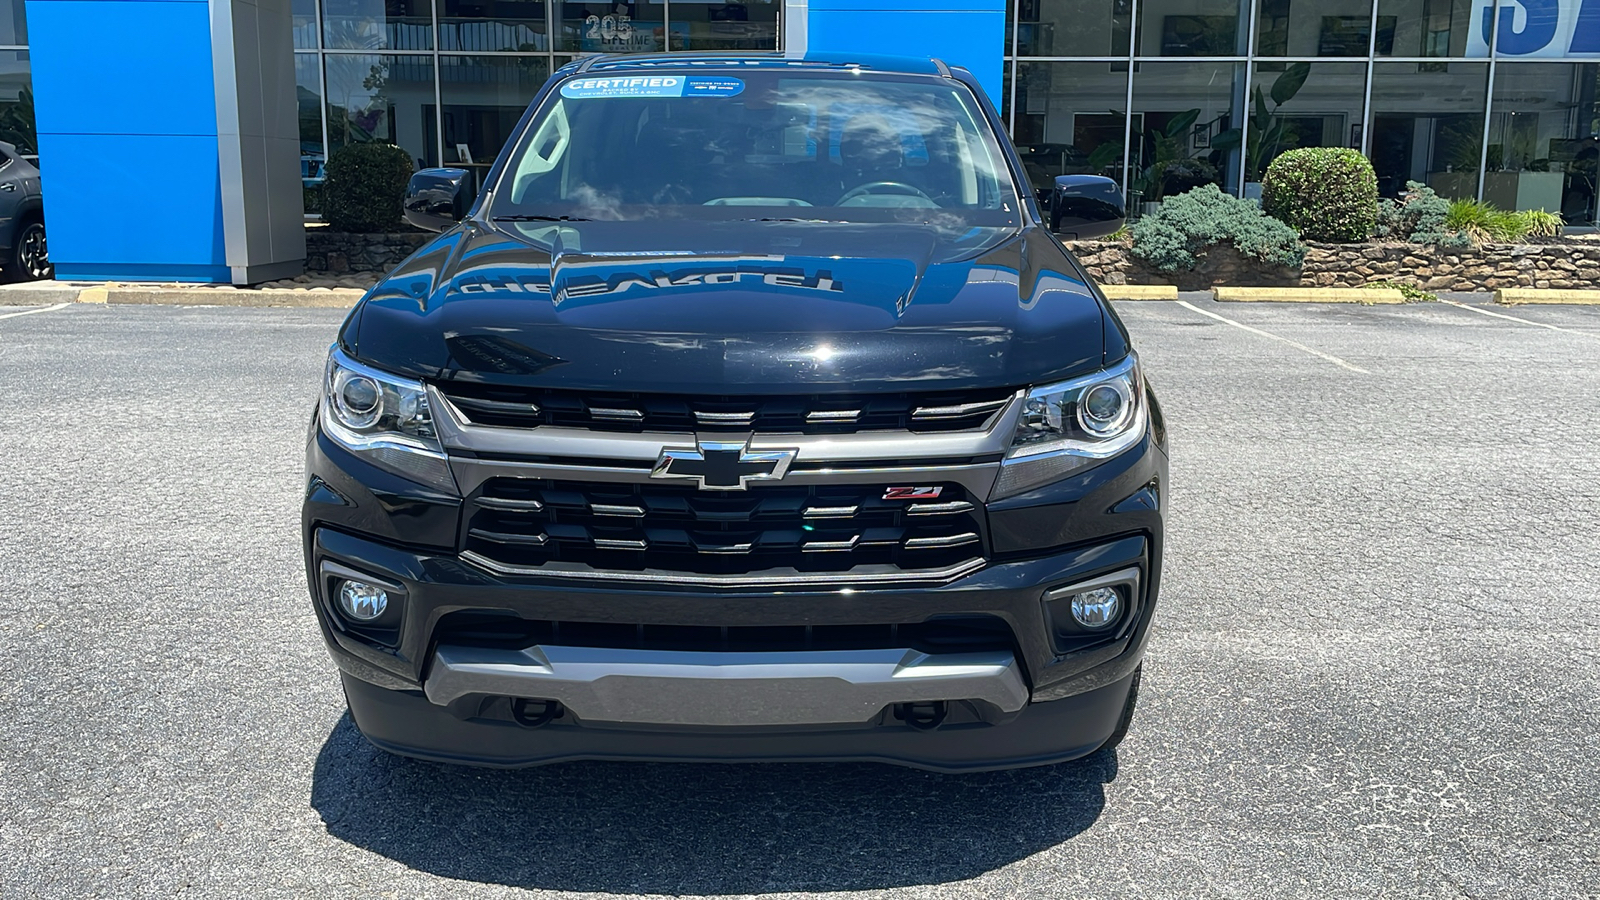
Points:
point(1139, 291)
point(1519, 296)
point(45, 293)
point(1364, 296)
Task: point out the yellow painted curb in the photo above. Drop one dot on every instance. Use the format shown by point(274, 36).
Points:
point(93, 295)
point(312, 298)
point(1519, 296)
point(1309, 295)
point(1139, 291)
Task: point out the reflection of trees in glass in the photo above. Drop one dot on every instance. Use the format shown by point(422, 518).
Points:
point(357, 107)
point(16, 123)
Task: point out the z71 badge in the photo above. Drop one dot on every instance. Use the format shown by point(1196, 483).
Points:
point(911, 493)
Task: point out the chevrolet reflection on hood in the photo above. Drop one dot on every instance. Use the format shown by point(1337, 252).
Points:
point(594, 286)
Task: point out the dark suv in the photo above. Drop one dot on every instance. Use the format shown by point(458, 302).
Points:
point(751, 411)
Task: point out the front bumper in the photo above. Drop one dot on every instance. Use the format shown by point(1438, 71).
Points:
point(412, 692)
point(404, 722)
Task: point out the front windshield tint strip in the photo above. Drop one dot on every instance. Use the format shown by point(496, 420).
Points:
point(824, 146)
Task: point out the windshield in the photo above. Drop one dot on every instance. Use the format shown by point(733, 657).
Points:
point(747, 144)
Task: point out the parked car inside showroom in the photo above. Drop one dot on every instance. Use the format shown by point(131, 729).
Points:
point(24, 253)
point(748, 410)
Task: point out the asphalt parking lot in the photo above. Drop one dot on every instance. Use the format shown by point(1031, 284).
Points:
point(1376, 670)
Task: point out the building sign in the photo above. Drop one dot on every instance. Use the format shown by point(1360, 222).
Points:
point(1542, 29)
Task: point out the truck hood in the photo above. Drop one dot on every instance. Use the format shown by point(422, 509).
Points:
point(734, 307)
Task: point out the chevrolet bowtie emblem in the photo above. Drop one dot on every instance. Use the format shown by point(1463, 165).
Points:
point(722, 465)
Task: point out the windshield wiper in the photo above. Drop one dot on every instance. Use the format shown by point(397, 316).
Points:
point(524, 218)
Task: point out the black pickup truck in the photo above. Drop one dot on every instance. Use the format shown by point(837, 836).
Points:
point(749, 409)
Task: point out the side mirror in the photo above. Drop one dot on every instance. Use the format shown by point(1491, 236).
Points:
point(1086, 206)
point(437, 199)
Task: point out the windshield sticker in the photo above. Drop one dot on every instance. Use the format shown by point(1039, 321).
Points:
point(652, 86)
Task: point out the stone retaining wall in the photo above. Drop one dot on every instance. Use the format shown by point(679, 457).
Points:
point(1485, 268)
point(337, 253)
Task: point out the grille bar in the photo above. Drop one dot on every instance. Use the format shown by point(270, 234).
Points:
point(526, 524)
point(521, 407)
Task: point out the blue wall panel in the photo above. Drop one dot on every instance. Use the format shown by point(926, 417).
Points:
point(127, 128)
point(966, 33)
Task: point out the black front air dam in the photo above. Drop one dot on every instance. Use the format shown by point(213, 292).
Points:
point(1042, 733)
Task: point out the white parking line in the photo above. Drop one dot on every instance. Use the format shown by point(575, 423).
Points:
point(1266, 334)
point(37, 309)
point(1485, 312)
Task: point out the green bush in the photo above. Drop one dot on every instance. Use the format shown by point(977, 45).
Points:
point(1543, 224)
point(365, 187)
point(1188, 225)
point(1419, 217)
point(1325, 193)
point(1484, 222)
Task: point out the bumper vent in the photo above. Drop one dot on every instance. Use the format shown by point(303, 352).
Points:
point(666, 530)
point(945, 634)
point(513, 407)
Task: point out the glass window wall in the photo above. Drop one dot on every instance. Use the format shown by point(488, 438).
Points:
point(16, 102)
point(1185, 120)
point(725, 24)
point(510, 26)
point(1070, 119)
point(449, 79)
point(1302, 104)
point(382, 98)
point(1191, 28)
point(1408, 82)
point(1543, 139)
point(1427, 126)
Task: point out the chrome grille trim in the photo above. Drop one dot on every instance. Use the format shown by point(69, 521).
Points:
point(498, 537)
point(599, 509)
point(952, 540)
point(959, 411)
point(614, 544)
point(593, 452)
point(938, 509)
point(833, 415)
point(511, 504)
point(718, 418)
point(829, 512)
point(930, 576)
point(622, 415)
point(830, 546)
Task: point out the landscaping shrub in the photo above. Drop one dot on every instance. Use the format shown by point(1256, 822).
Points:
point(1325, 193)
point(1543, 224)
point(1484, 222)
point(365, 187)
point(1186, 226)
point(1419, 217)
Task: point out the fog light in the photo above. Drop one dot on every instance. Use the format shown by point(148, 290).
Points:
point(365, 602)
point(1097, 608)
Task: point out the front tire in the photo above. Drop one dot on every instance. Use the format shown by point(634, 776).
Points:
point(30, 254)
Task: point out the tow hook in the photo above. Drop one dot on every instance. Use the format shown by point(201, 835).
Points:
point(922, 716)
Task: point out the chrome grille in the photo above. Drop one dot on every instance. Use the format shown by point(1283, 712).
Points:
point(515, 407)
point(846, 529)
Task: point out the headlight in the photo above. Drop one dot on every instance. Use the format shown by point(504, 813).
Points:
point(383, 419)
point(1072, 425)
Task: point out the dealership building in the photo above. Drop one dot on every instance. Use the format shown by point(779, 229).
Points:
point(185, 139)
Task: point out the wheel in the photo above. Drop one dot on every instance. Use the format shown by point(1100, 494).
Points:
point(1125, 721)
point(30, 254)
